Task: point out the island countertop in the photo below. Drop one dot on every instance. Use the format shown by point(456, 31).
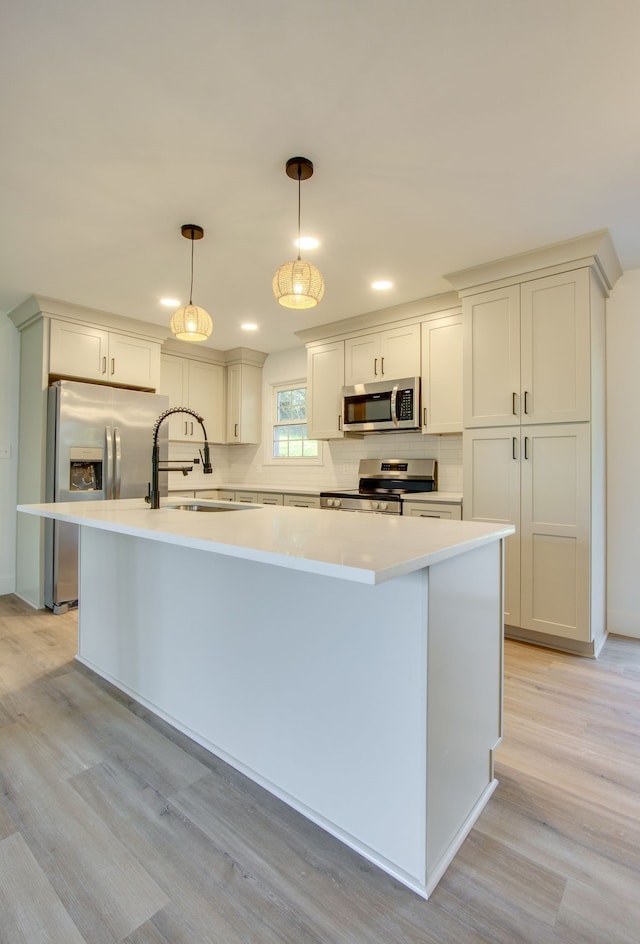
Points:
point(365, 548)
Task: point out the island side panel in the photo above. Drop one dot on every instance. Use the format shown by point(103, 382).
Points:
point(315, 687)
point(465, 660)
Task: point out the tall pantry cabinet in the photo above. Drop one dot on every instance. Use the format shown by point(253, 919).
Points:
point(534, 431)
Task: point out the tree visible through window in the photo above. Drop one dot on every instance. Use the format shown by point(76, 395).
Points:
point(290, 425)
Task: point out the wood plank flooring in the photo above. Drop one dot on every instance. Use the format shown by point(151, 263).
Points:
point(114, 828)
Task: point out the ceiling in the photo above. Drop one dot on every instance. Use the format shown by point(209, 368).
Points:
point(444, 134)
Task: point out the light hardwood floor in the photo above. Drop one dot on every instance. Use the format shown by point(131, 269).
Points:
point(115, 829)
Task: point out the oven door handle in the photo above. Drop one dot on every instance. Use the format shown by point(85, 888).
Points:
point(394, 412)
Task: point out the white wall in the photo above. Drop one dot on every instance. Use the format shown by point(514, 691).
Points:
point(623, 456)
point(9, 378)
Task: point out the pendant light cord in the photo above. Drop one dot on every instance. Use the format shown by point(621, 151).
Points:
point(299, 177)
point(191, 286)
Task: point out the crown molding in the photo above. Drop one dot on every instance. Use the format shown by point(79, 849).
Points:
point(40, 306)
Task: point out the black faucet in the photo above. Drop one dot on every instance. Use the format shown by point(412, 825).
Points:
point(153, 497)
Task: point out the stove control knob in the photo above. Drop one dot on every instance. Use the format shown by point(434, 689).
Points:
point(375, 505)
point(337, 502)
point(383, 506)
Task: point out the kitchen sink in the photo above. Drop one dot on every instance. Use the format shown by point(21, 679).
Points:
point(195, 506)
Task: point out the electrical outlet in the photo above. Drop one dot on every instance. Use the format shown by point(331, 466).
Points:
point(5, 452)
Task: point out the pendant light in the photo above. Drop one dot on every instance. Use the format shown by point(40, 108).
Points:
point(191, 323)
point(298, 284)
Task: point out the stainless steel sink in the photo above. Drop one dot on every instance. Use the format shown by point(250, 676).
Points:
point(195, 506)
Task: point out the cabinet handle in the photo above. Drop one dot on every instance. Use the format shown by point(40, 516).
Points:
point(191, 433)
point(104, 365)
point(513, 448)
point(526, 403)
point(113, 366)
point(513, 403)
point(339, 423)
point(382, 366)
point(526, 447)
point(424, 416)
point(375, 366)
point(186, 428)
point(235, 430)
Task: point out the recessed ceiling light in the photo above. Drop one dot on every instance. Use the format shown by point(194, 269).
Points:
point(381, 284)
point(170, 302)
point(247, 326)
point(307, 242)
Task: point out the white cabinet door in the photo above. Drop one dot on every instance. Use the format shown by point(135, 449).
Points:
point(325, 380)
point(244, 399)
point(555, 532)
point(133, 361)
point(492, 493)
point(555, 344)
point(174, 383)
point(442, 375)
point(400, 352)
point(391, 354)
point(78, 350)
point(491, 352)
point(207, 397)
point(362, 359)
point(537, 478)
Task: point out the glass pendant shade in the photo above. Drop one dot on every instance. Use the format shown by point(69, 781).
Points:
point(298, 285)
point(191, 323)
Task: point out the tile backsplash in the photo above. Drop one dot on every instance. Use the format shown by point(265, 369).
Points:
point(339, 468)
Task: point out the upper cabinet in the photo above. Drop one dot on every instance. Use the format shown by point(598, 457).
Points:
point(527, 352)
point(87, 352)
point(200, 386)
point(325, 380)
point(389, 354)
point(442, 375)
point(244, 396)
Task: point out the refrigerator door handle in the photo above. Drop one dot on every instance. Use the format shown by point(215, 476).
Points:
point(117, 462)
point(108, 466)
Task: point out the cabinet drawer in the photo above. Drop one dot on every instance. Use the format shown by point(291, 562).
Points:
point(432, 510)
point(302, 501)
point(270, 498)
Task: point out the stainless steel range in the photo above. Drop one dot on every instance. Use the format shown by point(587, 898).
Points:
point(383, 485)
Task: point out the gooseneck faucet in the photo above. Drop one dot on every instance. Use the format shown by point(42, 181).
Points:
point(153, 498)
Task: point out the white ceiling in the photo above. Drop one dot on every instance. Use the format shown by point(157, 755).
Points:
point(444, 134)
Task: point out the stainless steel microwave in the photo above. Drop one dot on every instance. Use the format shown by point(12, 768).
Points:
point(384, 406)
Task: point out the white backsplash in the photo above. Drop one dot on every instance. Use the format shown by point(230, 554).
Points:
point(246, 464)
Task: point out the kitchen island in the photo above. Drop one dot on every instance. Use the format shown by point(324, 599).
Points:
point(350, 664)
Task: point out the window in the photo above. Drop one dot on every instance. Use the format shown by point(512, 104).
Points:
point(290, 424)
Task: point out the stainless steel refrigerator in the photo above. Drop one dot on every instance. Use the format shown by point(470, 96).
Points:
point(99, 444)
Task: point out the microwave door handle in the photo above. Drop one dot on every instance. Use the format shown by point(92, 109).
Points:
point(394, 412)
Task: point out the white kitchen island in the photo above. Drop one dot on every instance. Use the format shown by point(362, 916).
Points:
point(351, 664)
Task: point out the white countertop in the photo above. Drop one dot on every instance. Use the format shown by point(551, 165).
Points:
point(364, 548)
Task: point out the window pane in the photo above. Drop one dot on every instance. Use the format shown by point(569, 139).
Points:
point(310, 447)
point(298, 431)
point(281, 432)
point(284, 405)
point(295, 448)
point(280, 450)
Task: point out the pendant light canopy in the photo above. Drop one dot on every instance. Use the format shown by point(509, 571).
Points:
point(298, 284)
point(191, 323)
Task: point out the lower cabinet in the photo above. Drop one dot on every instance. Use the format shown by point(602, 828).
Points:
point(539, 478)
point(432, 510)
point(250, 498)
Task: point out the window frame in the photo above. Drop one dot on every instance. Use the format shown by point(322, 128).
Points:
point(269, 458)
